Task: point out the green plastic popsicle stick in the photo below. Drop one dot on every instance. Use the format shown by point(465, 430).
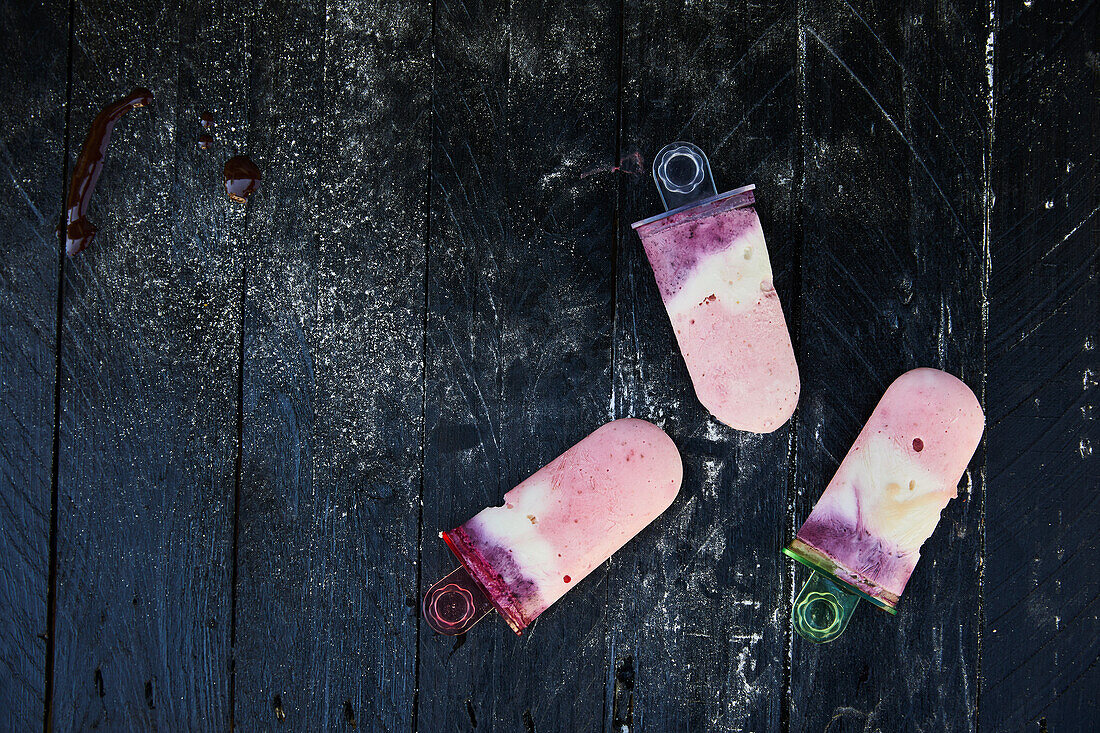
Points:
point(822, 610)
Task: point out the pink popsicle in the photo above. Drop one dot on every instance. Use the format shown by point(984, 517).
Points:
point(712, 267)
point(568, 518)
point(885, 499)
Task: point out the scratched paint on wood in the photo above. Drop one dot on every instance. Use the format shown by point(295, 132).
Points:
point(1042, 637)
point(32, 132)
point(149, 378)
point(518, 343)
point(436, 290)
point(893, 278)
point(333, 358)
point(691, 581)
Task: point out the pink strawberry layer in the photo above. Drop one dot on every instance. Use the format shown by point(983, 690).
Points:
point(712, 268)
point(569, 517)
point(741, 361)
point(886, 497)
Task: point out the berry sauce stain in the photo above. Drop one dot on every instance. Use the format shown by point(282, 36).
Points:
point(242, 178)
point(79, 232)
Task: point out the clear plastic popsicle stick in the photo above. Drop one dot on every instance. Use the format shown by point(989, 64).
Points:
point(682, 174)
point(454, 604)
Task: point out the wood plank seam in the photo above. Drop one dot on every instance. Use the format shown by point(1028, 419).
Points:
point(420, 589)
point(51, 589)
point(987, 273)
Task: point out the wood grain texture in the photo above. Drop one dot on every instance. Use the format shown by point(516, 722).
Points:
point(893, 268)
point(519, 327)
point(697, 598)
point(333, 367)
point(149, 384)
point(1042, 639)
point(32, 122)
point(280, 504)
point(436, 291)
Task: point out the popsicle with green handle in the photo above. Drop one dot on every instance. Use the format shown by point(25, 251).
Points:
point(864, 535)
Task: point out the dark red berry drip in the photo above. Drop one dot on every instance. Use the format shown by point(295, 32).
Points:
point(242, 178)
point(79, 232)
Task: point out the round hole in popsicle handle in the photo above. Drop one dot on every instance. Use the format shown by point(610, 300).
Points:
point(822, 610)
point(454, 604)
point(682, 173)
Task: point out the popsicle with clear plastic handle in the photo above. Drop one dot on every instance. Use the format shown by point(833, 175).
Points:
point(556, 527)
point(712, 267)
point(864, 535)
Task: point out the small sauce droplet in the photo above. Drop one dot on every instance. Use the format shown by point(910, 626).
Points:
point(242, 178)
point(567, 579)
point(206, 120)
point(918, 445)
point(205, 142)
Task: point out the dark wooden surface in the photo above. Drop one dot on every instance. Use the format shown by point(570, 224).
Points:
point(231, 434)
point(892, 272)
point(707, 639)
point(32, 153)
point(148, 389)
point(1041, 586)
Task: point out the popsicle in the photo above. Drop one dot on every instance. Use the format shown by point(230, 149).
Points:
point(865, 532)
point(555, 527)
point(712, 268)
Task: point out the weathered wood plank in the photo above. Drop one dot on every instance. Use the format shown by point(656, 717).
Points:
point(519, 330)
point(1042, 638)
point(869, 163)
point(697, 600)
point(149, 382)
point(34, 87)
point(277, 503)
point(333, 367)
point(896, 118)
point(280, 505)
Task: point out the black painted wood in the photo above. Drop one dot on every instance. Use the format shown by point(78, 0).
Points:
point(697, 600)
point(280, 503)
point(519, 330)
point(1042, 639)
point(437, 290)
point(333, 367)
point(32, 121)
point(149, 384)
point(893, 273)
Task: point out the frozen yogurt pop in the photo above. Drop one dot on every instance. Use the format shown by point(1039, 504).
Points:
point(864, 535)
point(556, 527)
point(711, 265)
